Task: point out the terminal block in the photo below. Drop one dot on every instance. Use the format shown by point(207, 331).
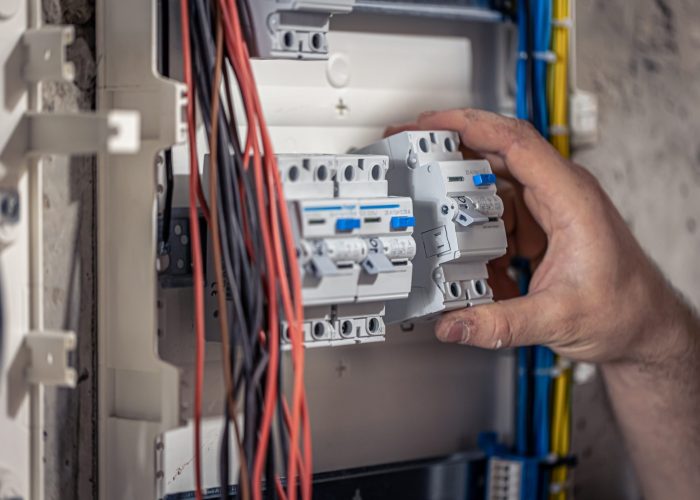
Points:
point(458, 221)
point(354, 244)
point(292, 29)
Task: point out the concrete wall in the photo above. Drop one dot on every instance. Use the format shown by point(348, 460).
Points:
point(70, 270)
point(642, 58)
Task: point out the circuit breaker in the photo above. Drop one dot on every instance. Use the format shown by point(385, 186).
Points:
point(458, 221)
point(293, 29)
point(354, 244)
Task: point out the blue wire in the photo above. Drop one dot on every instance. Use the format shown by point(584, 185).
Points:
point(541, 14)
point(521, 110)
point(536, 424)
point(523, 406)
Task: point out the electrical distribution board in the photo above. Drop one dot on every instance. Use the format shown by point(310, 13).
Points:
point(458, 221)
point(354, 244)
point(359, 258)
point(293, 29)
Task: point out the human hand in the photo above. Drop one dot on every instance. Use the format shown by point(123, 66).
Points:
point(595, 296)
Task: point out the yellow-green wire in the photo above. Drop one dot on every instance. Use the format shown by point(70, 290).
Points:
point(558, 100)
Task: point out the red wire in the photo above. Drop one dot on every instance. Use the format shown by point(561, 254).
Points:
point(276, 268)
point(194, 191)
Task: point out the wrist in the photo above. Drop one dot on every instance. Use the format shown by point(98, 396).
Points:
point(668, 333)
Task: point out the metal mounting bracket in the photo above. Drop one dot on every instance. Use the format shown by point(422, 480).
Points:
point(48, 358)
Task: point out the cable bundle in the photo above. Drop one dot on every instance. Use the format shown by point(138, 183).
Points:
point(543, 418)
point(558, 97)
point(258, 286)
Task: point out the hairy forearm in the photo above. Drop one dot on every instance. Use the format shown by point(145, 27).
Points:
point(656, 399)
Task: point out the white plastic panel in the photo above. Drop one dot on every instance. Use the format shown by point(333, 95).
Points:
point(409, 397)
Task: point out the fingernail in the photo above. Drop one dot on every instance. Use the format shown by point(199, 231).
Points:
point(458, 332)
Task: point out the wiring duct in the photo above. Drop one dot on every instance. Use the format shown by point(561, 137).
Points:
point(256, 275)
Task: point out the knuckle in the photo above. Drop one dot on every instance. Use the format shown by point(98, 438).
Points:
point(524, 129)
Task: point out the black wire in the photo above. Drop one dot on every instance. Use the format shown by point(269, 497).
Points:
point(165, 71)
point(224, 454)
point(168, 208)
point(245, 271)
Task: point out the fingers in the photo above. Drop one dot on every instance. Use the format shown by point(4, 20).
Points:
point(526, 154)
point(530, 239)
point(528, 320)
point(525, 236)
point(397, 129)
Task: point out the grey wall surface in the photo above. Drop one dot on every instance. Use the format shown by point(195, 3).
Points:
point(642, 59)
point(69, 276)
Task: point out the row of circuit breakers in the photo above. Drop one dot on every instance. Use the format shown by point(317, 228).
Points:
point(399, 231)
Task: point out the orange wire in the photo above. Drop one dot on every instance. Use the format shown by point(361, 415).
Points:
point(292, 308)
point(196, 250)
point(244, 481)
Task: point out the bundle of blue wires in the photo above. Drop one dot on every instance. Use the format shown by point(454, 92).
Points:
point(533, 405)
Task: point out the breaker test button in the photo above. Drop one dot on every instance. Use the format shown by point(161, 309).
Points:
point(484, 179)
point(347, 224)
point(402, 222)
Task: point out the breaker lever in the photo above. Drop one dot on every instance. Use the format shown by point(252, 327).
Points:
point(322, 265)
point(376, 263)
point(467, 216)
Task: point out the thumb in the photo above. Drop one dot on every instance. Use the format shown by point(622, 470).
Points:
point(523, 321)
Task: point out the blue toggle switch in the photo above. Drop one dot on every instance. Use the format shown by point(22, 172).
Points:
point(347, 224)
point(484, 179)
point(402, 222)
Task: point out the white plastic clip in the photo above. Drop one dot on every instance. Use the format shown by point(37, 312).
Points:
point(558, 130)
point(564, 23)
point(545, 55)
point(48, 361)
point(115, 132)
point(46, 54)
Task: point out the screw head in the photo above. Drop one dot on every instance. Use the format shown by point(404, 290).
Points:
point(9, 206)
point(445, 209)
point(412, 160)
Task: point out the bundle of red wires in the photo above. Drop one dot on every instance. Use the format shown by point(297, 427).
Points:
point(281, 280)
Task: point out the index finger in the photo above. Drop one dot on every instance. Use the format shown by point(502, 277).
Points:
point(526, 154)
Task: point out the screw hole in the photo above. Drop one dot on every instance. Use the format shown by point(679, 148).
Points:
point(377, 172)
point(293, 174)
point(319, 330)
point(423, 145)
point(449, 145)
point(455, 289)
point(479, 287)
point(317, 41)
point(322, 173)
point(288, 39)
point(373, 325)
point(346, 328)
point(349, 173)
